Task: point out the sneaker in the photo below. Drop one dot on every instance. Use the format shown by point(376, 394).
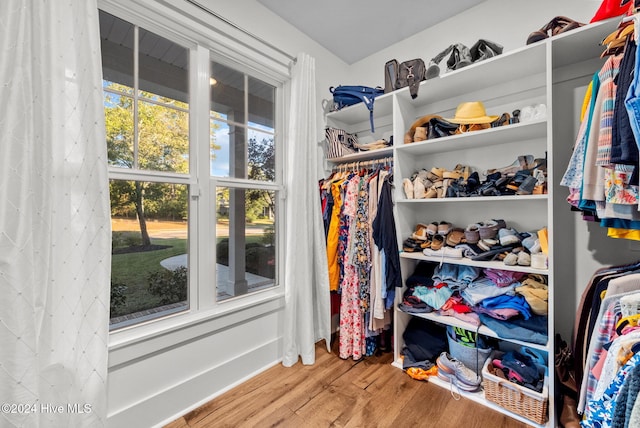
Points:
point(455, 372)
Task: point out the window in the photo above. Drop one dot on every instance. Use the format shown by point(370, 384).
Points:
point(243, 158)
point(155, 188)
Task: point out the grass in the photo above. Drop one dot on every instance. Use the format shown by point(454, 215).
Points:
point(133, 270)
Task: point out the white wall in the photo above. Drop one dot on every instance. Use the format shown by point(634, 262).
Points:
point(508, 23)
point(188, 367)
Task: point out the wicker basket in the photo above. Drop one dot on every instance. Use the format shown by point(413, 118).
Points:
point(513, 397)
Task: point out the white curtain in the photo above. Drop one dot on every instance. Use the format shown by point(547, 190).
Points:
point(54, 216)
point(308, 309)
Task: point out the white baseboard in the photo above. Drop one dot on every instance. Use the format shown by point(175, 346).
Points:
point(167, 405)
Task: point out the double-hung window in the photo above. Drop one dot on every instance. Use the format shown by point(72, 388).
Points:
point(177, 195)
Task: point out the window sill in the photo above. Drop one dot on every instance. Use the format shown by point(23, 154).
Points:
point(144, 340)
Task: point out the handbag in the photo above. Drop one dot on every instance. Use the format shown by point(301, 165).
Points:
point(345, 95)
point(340, 143)
point(411, 73)
point(390, 75)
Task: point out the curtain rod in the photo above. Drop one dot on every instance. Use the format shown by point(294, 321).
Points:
point(237, 27)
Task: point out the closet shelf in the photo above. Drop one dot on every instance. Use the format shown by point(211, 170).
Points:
point(358, 113)
point(455, 322)
point(515, 198)
point(522, 62)
point(478, 139)
point(366, 155)
point(468, 262)
point(477, 396)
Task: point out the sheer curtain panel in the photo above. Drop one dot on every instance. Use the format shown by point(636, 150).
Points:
point(307, 311)
point(54, 216)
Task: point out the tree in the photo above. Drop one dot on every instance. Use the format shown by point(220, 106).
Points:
point(160, 144)
point(262, 167)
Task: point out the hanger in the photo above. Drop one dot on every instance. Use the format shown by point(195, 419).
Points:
point(624, 29)
point(615, 47)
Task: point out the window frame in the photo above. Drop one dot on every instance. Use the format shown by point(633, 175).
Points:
point(203, 304)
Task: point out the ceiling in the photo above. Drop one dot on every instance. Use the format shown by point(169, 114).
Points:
point(355, 29)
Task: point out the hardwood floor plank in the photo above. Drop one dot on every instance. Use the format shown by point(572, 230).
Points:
point(341, 393)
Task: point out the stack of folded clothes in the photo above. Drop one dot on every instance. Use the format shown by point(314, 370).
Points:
point(512, 304)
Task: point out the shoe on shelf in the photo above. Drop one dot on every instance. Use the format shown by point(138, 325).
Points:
point(444, 227)
point(452, 370)
point(472, 233)
point(432, 228)
point(437, 241)
point(420, 134)
point(411, 245)
point(407, 185)
point(419, 191)
point(420, 233)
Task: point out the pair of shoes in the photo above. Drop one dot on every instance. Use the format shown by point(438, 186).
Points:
point(411, 245)
point(523, 162)
point(558, 25)
point(533, 112)
point(517, 257)
point(484, 49)
point(508, 237)
point(455, 237)
point(460, 56)
point(454, 371)
point(504, 119)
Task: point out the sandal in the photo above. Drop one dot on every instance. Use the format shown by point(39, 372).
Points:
point(455, 237)
point(472, 233)
point(432, 228)
point(421, 232)
point(437, 242)
point(435, 191)
point(444, 228)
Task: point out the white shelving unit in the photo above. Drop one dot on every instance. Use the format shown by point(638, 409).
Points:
point(538, 73)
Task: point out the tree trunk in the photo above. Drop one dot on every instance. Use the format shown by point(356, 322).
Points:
point(146, 241)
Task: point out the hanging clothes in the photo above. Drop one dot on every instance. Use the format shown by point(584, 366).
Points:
point(602, 175)
point(356, 206)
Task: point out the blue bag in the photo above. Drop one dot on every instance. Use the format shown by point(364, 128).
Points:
point(344, 96)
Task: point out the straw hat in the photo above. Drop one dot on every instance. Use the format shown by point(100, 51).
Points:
point(471, 113)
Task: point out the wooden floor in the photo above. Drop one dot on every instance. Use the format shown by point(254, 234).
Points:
point(341, 393)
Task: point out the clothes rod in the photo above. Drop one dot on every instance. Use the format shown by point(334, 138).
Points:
point(237, 27)
point(358, 164)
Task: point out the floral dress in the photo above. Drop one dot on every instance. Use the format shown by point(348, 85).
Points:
point(352, 340)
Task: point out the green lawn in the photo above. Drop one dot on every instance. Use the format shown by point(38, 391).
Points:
point(133, 270)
